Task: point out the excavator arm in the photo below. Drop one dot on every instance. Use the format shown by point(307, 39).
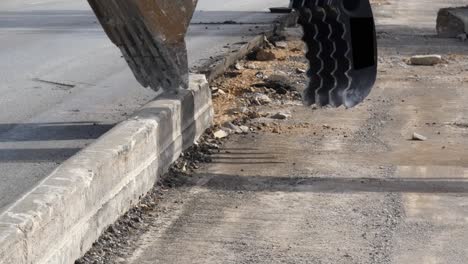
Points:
point(339, 34)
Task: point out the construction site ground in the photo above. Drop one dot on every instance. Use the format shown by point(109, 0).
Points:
point(276, 182)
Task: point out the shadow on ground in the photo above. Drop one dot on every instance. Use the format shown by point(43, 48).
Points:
point(335, 185)
point(43, 142)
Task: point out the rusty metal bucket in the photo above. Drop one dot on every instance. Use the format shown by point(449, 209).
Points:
point(150, 34)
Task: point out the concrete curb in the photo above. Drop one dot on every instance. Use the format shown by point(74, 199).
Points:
point(59, 220)
point(219, 67)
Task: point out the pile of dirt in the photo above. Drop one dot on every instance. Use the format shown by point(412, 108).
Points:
point(240, 95)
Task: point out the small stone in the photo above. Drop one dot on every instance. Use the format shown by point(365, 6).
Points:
point(265, 55)
point(244, 129)
point(251, 66)
point(280, 116)
point(233, 128)
point(426, 60)
point(261, 99)
point(281, 44)
point(239, 66)
point(238, 110)
point(221, 92)
point(220, 134)
point(300, 70)
point(280, 82)
point(243, 110)
point(212, 145)
point(214, 89)
point(275, 130)
point(253, 114)
point(418, 137)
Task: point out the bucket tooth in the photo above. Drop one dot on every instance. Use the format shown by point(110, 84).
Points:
point(151, 37)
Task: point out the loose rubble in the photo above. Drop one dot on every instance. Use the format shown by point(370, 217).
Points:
point(281, 116)
point(221, 134)
point(265, 55)
point(261, 99)
point(281, 44)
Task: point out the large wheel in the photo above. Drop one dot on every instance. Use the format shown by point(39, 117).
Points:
point(342, 50)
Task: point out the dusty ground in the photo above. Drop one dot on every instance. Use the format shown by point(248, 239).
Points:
point(323, 185)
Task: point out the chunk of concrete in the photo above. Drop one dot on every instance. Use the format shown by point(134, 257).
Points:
point(281, 116)
point(451, 22)
point(426, 60)
point(220, 134)
point(418, 137)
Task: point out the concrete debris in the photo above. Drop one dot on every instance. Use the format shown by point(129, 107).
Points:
point(232, 128)
point(281, 44)
point(265, 55)
point(244, 129)
point(239, 66)
point(280, 83)
point(255, 114)
point(260, 75)
point(238, 110)
point(220, 134)
point(261, 99)
point(250, 66)
point(281, 116)
point(426, 60)
point(300, 71)
point(418, 137)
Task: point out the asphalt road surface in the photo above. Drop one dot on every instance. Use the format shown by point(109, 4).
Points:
point(352, 187)
point(63, 84)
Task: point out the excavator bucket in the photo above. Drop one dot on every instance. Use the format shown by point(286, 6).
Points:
point(341, 41)
point(151, 36)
